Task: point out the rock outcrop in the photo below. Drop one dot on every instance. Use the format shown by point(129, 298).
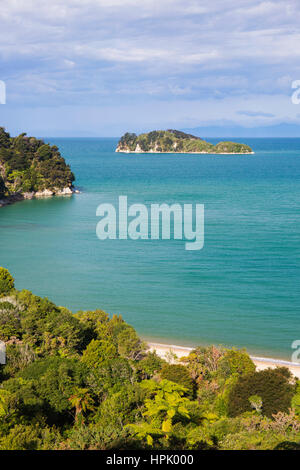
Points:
point(29, 169)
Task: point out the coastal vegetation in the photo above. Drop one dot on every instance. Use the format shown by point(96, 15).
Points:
point(29, 166)
point(87, 381)
point(176, 142)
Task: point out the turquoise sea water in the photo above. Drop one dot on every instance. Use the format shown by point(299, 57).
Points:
point(242, 289)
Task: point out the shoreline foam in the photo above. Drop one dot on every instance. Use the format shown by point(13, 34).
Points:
point(260, 362)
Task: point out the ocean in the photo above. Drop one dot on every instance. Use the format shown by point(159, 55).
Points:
point(242, 289)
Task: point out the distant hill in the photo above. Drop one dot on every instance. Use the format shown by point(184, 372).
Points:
point(173, 141)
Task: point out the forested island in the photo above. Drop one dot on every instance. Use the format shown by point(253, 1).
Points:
point(172, 141)
point(87, 381)
point(31, 168)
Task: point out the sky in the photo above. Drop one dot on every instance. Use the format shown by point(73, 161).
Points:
point(104, 67)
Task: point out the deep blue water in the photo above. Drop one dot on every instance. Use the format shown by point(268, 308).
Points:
point(242, 289)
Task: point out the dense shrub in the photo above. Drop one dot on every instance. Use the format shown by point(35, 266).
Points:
point(6, 282)
point(235, 362)
point(10, 322)
point(296, 400)
point(178, 374)
point(150, 365)
point(271, 385)
point(98, 352)
point(4, 138)
point(129, 344)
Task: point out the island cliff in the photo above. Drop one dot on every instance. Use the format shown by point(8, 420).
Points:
point(30, 168)
point(172, 141)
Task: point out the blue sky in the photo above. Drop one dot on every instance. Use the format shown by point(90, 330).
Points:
point(102, 67)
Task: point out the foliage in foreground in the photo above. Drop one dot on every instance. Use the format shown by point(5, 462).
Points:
point(86, 381)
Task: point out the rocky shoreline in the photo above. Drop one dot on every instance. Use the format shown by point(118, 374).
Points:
point(17, 197)
point(120, 150)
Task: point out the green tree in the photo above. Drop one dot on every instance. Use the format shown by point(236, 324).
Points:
point(296, 400)
point(82, 401)
point(129, 344)
point(21, 437)
point(96, 323)
point(236, 362)
point(271, 385)
point(150, 365)
point(10, 322)
point(178, 374)
point(4, 399)
point(43, 388)
point(4, 138)
point(44, 152)
point(121, 407)
point(164, 406)
point(18, 356)
point(98, 352)
point(6, 282)
point(49, 329)
point(111, 375)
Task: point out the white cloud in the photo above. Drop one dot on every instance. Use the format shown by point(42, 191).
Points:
point(104, 51)
point(184, 31)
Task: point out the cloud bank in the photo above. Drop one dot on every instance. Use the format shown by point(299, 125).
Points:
point(102, 67)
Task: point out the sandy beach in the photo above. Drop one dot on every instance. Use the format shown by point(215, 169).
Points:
point(261, 363)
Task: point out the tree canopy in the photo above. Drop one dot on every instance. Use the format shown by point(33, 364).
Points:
point(87, 381)
point(28, 164)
